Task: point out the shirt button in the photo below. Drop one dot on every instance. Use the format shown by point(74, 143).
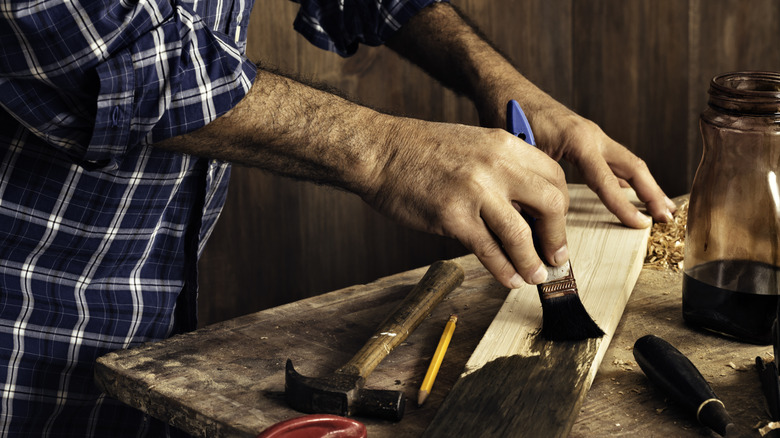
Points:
point(115, 117)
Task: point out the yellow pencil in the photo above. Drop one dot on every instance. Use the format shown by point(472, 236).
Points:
point(438, 356)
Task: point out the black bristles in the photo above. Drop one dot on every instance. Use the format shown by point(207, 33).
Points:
point(565, 319)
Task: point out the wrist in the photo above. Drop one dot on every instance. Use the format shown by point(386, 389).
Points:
point(363, 169)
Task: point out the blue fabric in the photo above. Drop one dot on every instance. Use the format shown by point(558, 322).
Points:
point(340, 26)
point(99, 230)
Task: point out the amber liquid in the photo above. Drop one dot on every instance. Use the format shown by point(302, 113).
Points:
point(734, 297)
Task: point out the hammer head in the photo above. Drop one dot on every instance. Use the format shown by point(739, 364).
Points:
point(340, 394)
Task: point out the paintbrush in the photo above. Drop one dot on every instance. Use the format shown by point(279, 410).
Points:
point(564, 318)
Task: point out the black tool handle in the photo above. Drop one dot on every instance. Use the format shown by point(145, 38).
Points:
point(770, 386)
point(665, 366)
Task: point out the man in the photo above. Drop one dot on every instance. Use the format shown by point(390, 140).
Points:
point(114, 117)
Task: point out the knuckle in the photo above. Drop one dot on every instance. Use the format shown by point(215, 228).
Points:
point(557, 202)
point(516, 236)
point(455, 223)
point(639, 164)
point(559, 175)
point(485, 248)
point(607, 179)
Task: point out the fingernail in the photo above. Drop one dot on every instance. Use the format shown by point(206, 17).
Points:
point(516, 281)
point(669, 217)
point(539, 276)
point(670, 204)
point(646, 221)
point(561, 255)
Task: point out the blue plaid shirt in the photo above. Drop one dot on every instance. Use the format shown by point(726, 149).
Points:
point(99, 230)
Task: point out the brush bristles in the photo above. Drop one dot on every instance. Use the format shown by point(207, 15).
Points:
point(564, 318)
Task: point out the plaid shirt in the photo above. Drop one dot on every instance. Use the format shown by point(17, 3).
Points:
point(100, 231)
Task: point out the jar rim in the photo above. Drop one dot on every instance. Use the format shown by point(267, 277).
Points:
point(752, 92)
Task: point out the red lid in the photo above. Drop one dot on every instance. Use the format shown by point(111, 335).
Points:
point(316, 426)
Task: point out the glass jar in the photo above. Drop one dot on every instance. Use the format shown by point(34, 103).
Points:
point(730, 281)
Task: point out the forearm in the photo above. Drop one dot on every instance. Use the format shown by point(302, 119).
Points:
point(449, 179)
point(441, 41)
point(292, 129)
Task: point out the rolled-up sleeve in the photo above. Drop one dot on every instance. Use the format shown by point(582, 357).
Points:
point(97, 78)
point(342, 25)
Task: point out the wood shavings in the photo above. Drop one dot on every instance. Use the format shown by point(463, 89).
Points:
point(625, 365)
point(666, 246)
point(768, 428)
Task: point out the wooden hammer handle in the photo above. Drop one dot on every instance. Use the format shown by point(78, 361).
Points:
point(441, 278)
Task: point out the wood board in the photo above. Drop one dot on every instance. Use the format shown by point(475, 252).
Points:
point(517, 384)
point(226, 380)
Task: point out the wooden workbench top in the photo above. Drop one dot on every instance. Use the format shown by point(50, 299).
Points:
point(228, 379)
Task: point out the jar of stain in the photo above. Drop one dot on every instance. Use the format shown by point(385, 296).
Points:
point(730, 281)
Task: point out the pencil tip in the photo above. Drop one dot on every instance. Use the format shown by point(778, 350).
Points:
point(421, 396)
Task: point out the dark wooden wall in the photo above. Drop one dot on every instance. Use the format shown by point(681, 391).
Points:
point(639, 68)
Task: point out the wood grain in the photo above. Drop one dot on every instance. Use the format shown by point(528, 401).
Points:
point(226, 380)
point(233, 370)
point(542, 383)
point(639, 68)
point(623, 403)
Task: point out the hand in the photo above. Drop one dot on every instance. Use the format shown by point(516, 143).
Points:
point(466, 182)
point(606, 165)
point(440, 41)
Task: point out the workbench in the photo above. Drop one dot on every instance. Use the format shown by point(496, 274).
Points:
point(228, 379)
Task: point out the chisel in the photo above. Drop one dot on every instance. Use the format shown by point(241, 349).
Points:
point(665, 366)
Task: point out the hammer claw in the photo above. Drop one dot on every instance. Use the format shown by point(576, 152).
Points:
point(326, 395)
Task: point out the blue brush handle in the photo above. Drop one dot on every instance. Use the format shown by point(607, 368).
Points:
point(517, 123)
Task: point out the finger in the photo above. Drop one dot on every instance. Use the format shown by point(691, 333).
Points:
point(628, 166)
point(600, 178)
point(486, 247)
point(548, 225)
point(516, 239)
point(551, 235)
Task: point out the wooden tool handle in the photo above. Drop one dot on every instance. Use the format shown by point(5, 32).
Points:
point(441, 278)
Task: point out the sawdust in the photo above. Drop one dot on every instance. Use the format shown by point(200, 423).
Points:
point(666, 246)
point(625, 365)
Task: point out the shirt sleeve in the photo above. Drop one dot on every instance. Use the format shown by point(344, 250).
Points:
point(97, 78)
point(341, 25)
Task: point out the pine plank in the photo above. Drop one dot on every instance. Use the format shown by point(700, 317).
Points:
point(516, 384)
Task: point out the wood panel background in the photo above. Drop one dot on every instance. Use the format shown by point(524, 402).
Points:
point(638, 68)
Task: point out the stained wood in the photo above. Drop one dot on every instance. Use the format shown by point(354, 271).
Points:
point(516, 384)
point(226, 379)
point(622, 402)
